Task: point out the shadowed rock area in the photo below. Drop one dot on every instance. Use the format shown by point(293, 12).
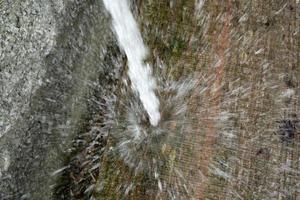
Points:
point(52, 65)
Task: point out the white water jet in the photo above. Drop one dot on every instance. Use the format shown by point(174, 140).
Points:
point(130, 40)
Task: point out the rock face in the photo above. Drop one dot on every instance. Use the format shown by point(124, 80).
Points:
point(52, 65)
point(245, 135)
point(59, 60)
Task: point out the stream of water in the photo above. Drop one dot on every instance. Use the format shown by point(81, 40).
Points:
point(130, 40)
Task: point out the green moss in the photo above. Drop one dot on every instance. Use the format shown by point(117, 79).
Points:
point(115, 177)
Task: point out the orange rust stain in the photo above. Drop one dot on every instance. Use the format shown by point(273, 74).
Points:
point(214, 96)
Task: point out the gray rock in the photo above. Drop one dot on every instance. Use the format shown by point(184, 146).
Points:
point(52, 63)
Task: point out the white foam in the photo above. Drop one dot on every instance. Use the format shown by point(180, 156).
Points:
point(130, 40)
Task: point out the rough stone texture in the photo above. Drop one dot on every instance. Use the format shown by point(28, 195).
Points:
point(51, 68)
point(243, 142)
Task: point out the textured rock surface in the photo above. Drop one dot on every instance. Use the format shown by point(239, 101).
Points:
point(243, 141)
point(56, 62)
point(51, 68)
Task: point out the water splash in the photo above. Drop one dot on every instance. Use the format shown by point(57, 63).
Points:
point(148, 153)
point(130, 40)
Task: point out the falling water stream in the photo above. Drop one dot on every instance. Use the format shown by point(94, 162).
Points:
point(130, 40)
point(141, 147)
